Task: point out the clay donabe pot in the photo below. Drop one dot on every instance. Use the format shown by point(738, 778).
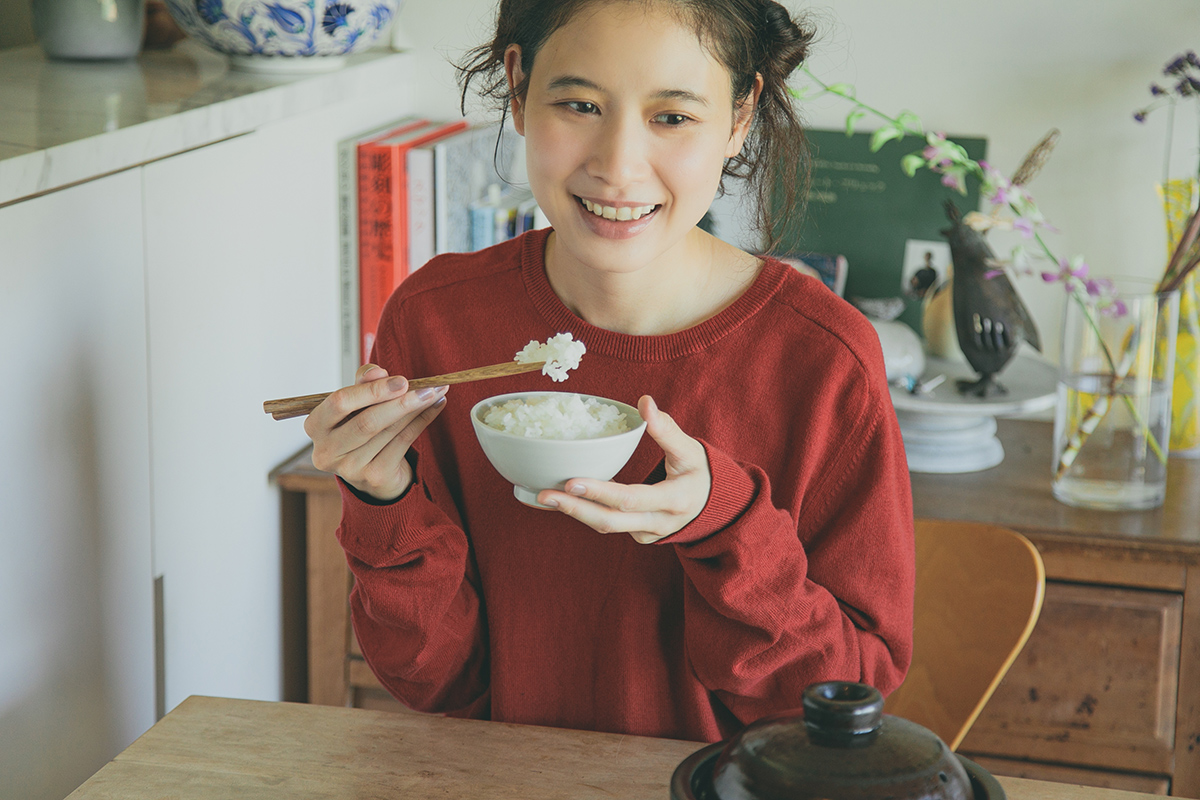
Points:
point(843, 747)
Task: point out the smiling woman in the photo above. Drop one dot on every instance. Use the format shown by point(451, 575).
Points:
point(720, 572)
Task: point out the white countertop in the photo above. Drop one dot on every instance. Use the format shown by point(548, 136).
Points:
point(64, 122)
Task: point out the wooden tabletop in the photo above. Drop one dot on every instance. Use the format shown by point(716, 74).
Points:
point(1016, 494)
point(218, 748)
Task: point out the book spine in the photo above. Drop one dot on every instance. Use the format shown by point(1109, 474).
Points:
point(375, 239)
point(481, 225)
point(348, 258)
point(441, 202)
point(420, 206)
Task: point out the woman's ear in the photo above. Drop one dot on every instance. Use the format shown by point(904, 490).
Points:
point(743, 116)
point(512, 69)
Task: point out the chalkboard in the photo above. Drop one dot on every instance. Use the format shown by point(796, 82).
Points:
point(861, 205)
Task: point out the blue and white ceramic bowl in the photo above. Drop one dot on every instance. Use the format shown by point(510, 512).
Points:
point(285, 35)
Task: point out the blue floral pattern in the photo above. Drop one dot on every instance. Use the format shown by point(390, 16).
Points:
point(335, 17)
point(284, 27)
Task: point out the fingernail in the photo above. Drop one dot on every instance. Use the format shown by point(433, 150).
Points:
point(429, 392)
point(552, 503)
point(398, 383)
point(577, 489)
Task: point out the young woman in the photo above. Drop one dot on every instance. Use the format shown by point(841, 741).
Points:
point(759, 540)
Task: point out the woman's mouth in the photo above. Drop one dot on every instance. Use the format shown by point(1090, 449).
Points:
point(619, 214)
point(616, 222)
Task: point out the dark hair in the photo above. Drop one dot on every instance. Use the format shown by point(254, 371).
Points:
point(747, 37)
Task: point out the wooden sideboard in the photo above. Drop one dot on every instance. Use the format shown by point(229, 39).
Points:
point(1107, 690)
point(1105, 693)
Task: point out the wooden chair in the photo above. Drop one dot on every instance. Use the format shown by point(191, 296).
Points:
point(978, 594)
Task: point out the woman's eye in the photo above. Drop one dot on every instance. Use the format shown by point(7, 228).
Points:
point(672, 119)
point(581, 107)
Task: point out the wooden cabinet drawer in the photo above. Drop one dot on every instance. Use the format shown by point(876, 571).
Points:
point(1126, 782)
point(1095, 685)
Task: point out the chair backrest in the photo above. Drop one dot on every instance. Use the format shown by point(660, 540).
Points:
point(978, 594)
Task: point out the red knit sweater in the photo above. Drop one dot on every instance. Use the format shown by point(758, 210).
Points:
point(799, 569)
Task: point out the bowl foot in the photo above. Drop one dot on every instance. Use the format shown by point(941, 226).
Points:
point(288, 65)
point(528, 497)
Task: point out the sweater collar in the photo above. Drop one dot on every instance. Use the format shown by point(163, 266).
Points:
point(642, 348)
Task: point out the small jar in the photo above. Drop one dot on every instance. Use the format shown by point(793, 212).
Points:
point(89, 30)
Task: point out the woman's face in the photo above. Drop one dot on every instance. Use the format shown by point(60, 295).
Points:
point(628, 121)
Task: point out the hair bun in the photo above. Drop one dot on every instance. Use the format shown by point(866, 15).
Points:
point(785, 44)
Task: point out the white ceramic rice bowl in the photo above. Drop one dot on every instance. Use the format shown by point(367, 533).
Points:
point(533, 464)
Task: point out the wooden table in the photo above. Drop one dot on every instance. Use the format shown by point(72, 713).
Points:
point(218, 748)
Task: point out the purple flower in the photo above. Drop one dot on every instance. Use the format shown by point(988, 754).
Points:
point(1139, 116)
point(1156, 90)
point(1067, 274)
point(992, 273)
point(1116, 308)
point(1024, 226)
point(1098, 287)
point(951, 181)
point(1176, 66)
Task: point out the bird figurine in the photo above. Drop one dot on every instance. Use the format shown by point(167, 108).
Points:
point(989, 317)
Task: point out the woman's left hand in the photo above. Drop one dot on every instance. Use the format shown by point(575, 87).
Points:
point(646, 512)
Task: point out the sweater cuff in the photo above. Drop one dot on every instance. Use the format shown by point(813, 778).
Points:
point(733, 490)
point(371, 532)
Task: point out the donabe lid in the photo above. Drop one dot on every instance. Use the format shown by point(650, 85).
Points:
point(843, 747)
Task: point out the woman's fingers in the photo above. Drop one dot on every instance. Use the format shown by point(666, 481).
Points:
point(646, 513)
point(362, 432)
point(682, 451)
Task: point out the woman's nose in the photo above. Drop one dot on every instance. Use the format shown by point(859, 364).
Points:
point(620, 153)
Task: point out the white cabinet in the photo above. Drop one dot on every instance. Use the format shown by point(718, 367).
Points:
point(76, 586)
point(144, 318)
point(242, 306)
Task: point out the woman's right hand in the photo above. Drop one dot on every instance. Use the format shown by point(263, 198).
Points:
point(361, 433)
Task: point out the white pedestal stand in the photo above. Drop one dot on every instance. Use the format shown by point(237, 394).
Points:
point(945, 431)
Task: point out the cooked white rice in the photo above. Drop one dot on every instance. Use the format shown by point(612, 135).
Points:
point(560, 352)
point(557, 416)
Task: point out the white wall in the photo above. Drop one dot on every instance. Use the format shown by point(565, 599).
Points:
point(1007, 70)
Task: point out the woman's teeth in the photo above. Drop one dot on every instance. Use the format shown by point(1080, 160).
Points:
point(623, 213)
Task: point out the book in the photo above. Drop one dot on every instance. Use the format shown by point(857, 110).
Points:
point(445, 177)
point(347, 177)
point(383, 220)
point(503, 215)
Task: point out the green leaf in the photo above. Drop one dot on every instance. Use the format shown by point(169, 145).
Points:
point(911, 163)
point(844, 89)
point(884, 135)
point(853, 117)
point(910, 122)
point(800, 93)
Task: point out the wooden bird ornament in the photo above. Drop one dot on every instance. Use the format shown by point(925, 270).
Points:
point(990, 319)
point(989, 316)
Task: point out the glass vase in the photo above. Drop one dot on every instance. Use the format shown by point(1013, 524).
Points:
point(1113, 418)
point(1180, 198)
